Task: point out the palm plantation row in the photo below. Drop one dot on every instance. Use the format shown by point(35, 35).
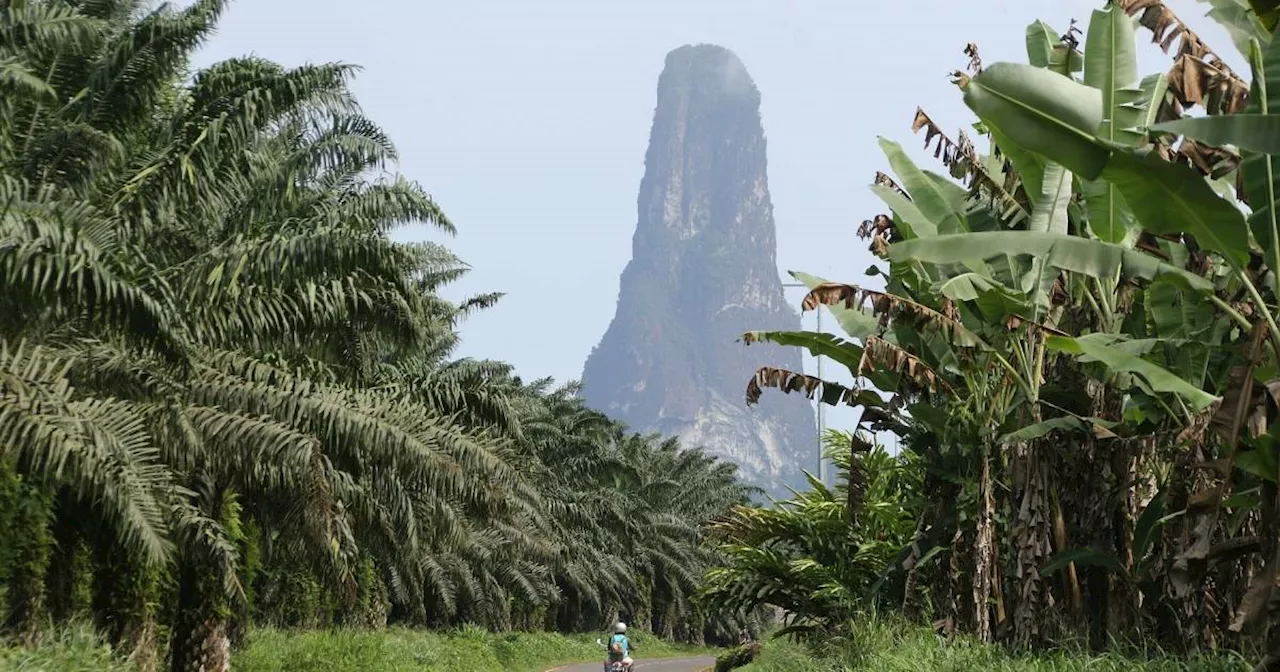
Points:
point(227, 397)
point(1077, 345)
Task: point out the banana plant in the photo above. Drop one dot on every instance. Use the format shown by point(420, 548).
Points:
point(1242, 21)
point(1060, 120)
point(1043, 265)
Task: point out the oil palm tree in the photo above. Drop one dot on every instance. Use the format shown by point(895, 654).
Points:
point(223, 376)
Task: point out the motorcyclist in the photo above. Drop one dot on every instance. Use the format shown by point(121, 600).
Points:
point(620, 646)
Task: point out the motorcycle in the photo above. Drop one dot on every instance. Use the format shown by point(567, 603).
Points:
point(614, 666)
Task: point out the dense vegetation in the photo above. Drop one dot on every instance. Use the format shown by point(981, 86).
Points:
point(228, 398)
point(890, 645)
point(819, 554)
point(1077, 343)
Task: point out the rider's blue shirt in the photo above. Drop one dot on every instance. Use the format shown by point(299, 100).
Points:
point(620, 639)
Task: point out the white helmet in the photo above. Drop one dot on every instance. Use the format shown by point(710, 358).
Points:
point(619, 627)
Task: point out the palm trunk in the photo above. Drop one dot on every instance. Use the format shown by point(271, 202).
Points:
point(27, 614)
point(377, 603)
point(65, 567)
point(647, 607)
point(125, 597)
point(201, 638)
point(206, 647)
point(698, 630)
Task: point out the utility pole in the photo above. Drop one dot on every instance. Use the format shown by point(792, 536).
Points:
point(821, 412)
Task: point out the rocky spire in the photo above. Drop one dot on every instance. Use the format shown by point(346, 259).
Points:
point(703, 271)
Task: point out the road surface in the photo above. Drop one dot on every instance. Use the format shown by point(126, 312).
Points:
point(655, 665)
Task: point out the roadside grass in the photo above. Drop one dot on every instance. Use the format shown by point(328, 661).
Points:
point(76, 648)
point(882, 646)
point(405, 650)
point(894, 647)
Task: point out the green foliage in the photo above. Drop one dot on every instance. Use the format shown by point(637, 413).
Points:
point(223, 377)
point(1089, 386)
point(820, 554)
point(466, 650)
point(74, 647)
point(738, 656)
point(900, 647)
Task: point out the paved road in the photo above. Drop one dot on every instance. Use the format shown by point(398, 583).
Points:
point(659, 665)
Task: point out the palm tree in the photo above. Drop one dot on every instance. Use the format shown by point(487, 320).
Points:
point(819, 556)
point(202, 233)
point(224, 380)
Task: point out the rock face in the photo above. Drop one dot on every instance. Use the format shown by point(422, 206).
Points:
point(703, 271)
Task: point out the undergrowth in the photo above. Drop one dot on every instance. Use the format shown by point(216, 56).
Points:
point(78, 649)
point(894, 647)
point(73, 648)
point(404, 650)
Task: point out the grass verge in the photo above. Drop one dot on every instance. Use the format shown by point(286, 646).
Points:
point(404, 650)
point(78, 649)
point(889, 647)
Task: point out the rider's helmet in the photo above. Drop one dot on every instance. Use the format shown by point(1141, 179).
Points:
point(619, 628)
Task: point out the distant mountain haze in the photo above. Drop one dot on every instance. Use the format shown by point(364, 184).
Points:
point(703, 271)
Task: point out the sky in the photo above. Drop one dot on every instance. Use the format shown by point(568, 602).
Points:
point(528, 122)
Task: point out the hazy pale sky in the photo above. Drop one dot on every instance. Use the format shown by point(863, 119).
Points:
point(528, 122)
